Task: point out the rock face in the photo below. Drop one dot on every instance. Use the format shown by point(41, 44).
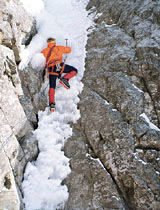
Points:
point(115, 149)
point(17, 144)
point(35, 96)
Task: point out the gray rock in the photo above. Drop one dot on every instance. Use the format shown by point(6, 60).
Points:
point(121, 82)
point(90, 185)
point(15, 25)
point(35, 97)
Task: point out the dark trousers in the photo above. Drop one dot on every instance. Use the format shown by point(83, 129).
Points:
point(52, 78)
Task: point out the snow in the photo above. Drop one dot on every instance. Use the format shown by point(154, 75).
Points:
point(33, 7)
point(60, 19)
point(106, 102)
point(151, 125)
point(95, 159)
point(138, 159)
point(139, 90)
point(109, 26)
point(114, 110)
point(113, 196)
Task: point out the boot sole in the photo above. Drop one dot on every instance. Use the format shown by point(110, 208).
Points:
point(65, 86)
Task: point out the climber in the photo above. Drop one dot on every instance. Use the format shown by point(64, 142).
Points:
point(55, 67)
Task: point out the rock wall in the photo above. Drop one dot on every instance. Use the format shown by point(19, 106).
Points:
point(17, 144)
point(115, 149)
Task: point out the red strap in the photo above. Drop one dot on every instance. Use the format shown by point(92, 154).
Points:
point(54, 62)
point(53, 73)
point(48, 55)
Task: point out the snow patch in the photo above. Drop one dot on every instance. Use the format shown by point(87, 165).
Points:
point(38, 60)
point(109, 26)
point(113, 196)
point(114, 110)
point(137, 88)
point(151, 125)
point(33, 7)
point(106, 102)
point(96, 159)
point(138, 159)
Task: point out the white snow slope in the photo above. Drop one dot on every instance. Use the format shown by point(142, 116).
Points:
point(60, 19)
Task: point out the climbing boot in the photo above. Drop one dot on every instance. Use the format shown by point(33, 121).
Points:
point(64, 82)
point(52, 107)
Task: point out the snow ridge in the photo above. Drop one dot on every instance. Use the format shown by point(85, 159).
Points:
point(42, 179)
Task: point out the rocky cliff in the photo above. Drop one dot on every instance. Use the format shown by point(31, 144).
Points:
point(115, 149)
point(17, 145)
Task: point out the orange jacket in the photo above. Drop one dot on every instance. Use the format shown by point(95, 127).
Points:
point(56, 54)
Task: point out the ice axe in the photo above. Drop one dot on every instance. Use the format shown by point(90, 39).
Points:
point(66, 46)
point(62, 69)
point(66, 42)
point(66, 55)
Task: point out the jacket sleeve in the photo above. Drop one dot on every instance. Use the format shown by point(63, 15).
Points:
point(65, 50)
point(44, 52)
